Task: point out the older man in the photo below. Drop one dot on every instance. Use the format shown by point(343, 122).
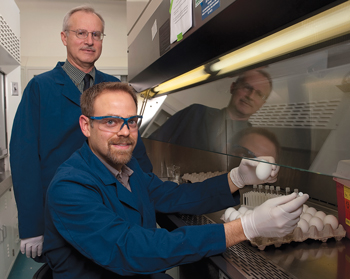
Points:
point(211, 129)
point(46, 129)
point(100, 209)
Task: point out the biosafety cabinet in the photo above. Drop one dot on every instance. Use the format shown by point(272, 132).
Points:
point(304, 46)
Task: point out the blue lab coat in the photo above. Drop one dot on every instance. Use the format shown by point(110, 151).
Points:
point(95, 226)
point(45, 133)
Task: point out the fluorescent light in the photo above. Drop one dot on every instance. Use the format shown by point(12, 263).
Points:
point(332, 23)
point(191, 77)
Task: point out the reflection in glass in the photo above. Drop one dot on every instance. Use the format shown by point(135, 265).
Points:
point(241, 151)
point(307, 110)
point(255, 142)
point(213, 129)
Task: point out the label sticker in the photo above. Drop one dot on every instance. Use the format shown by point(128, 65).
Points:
point(347, 205)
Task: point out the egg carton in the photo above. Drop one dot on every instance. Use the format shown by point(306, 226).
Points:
point(201, 176)
point(298, 236)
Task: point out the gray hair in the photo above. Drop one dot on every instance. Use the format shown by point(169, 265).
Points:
point(260, 71)
point(86, 9)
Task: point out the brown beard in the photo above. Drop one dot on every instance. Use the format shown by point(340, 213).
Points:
point(121, 156)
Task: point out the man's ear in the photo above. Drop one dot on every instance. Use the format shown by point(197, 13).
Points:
point(85, 127)
point(232, 87)
point(64, 38)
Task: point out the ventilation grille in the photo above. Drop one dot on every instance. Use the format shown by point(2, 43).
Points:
point(9, 41)
point(317, 114)
point(249, 263)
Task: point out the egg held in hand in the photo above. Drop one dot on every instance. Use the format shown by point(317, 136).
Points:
point(263, 171)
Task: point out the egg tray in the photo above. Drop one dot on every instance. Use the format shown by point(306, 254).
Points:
point(298, 236)
point(201, 176)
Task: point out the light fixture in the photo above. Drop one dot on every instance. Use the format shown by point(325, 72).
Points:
point(194, 76)
point(332, 23)
point(329, 24)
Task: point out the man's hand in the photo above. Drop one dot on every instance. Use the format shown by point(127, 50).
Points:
point(32, 246)
point(245, 174)
point(276, 217)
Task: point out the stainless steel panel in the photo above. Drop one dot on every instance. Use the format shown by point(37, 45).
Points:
point(310, 259)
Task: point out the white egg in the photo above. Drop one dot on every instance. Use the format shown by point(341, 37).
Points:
point(305, 207)
point(332, 220)
point(243, 210)
point(320, 214)
point(263, 171)
point(303, 225)
point(234, 215)
point(317, 222)
point(311, 211)
point(306, 217)
point(228, 213)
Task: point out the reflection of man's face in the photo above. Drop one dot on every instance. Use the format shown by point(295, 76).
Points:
point(259, 145)
point(248, 95)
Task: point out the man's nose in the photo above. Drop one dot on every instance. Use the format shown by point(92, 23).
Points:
point(124, 131)
point(250, 94)
point(89, 39)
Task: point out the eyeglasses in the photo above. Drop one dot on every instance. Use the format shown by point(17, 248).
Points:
point(83, 34)
point(247, 88)
point(114, 124)
point(238, 150)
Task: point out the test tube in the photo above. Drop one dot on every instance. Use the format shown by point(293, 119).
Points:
point(287, 190)
point(267, 187)
point(255, 188)
point(272, 190)
point(296, 190)
point(260, 188)
point(278, 189)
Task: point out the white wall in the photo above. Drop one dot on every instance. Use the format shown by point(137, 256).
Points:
point(41, 24)
point(10, 13)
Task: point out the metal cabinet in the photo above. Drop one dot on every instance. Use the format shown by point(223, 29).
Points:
point(9, 237)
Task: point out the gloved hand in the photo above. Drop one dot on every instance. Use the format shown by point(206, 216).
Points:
point(276, 217)
point(244, 174)
point(32, 246)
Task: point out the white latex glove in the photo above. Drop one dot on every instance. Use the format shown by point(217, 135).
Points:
point(244, 174)
point(32, 246)
point(276, 217)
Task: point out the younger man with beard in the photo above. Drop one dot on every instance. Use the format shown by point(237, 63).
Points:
point(100, 209)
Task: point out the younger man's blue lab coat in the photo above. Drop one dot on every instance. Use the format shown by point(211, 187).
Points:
point(96, 227)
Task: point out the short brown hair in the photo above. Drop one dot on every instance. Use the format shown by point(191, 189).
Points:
point(89, 96)
point(259, 131)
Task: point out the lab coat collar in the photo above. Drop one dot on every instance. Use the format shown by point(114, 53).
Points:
point(69, 89)
point(108, 179)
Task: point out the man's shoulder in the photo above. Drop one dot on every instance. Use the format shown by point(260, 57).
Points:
point(45, 76)
point(201, 110)
point(105, 77)
point(73, 169)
